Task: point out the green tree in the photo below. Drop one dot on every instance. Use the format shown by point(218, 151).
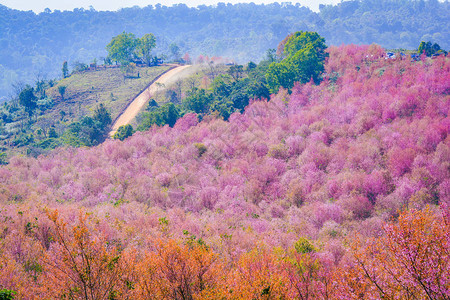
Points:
point(236, 71)
point(174, 51)
point(145, 47)
point(307, 64)
point(52, 133)
point(166, 114)
point(280, 75)
point(171, 114)
point(41, 86)
point(251, 66)
point(425, 48)
point(305, 58)
point(222, 86)
point(62, 90)
point(429, 49)
point(271, 55)
point(122, 48)
point(302, 39)
point(198, 101)
point(65, 69)
point(123, 132)
point(303, 245)
point(102, 116)
point(28, 100)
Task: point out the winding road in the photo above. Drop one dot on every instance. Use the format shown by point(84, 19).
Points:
point(139, 102)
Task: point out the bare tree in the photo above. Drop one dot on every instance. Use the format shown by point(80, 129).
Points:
point(179, 89)
point(213, 72)
point(191, 82)
point(17, 88)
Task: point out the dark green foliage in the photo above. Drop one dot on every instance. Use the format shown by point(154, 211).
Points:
point(251, 65)
point(51, 82)
point(123, 132)
point(198, 101)
point(236, 71)
point(65, 69)
point(227, 95)
point(152, 104)
point(23, 140)
point(237, 94)
point(280, 75)
point(429, 49)
point(52, 133)
point(266, 291)
point(7, 294)
point(303, 245)
point(102, 116)
point(166, 114)
point(50, 143)
point(89, 131)
point(62, 90)
point(3, 158)
point(28, 100)
point(6, 117)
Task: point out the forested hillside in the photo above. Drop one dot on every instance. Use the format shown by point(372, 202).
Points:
point(337, 190)
point(35, 45)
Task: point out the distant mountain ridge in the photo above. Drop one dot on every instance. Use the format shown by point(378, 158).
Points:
point(32, 44)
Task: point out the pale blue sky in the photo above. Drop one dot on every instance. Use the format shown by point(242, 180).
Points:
point(40, 5)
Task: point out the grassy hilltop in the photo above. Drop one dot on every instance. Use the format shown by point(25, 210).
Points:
point(109, 86)
point(60, 119)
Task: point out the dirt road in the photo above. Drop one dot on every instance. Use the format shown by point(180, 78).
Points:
point(139, 102)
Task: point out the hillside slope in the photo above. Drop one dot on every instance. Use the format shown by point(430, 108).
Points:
point(110, 87)
point(56, 115)
point(287, 184)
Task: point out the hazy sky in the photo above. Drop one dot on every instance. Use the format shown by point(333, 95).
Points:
point(40, 5)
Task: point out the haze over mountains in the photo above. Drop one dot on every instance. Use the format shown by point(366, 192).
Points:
point(37, 44)
point(111, 5)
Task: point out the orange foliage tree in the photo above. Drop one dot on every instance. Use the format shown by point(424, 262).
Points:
point(410, 261)
point(81, 264)
point(257, 275)
point(174, 271)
